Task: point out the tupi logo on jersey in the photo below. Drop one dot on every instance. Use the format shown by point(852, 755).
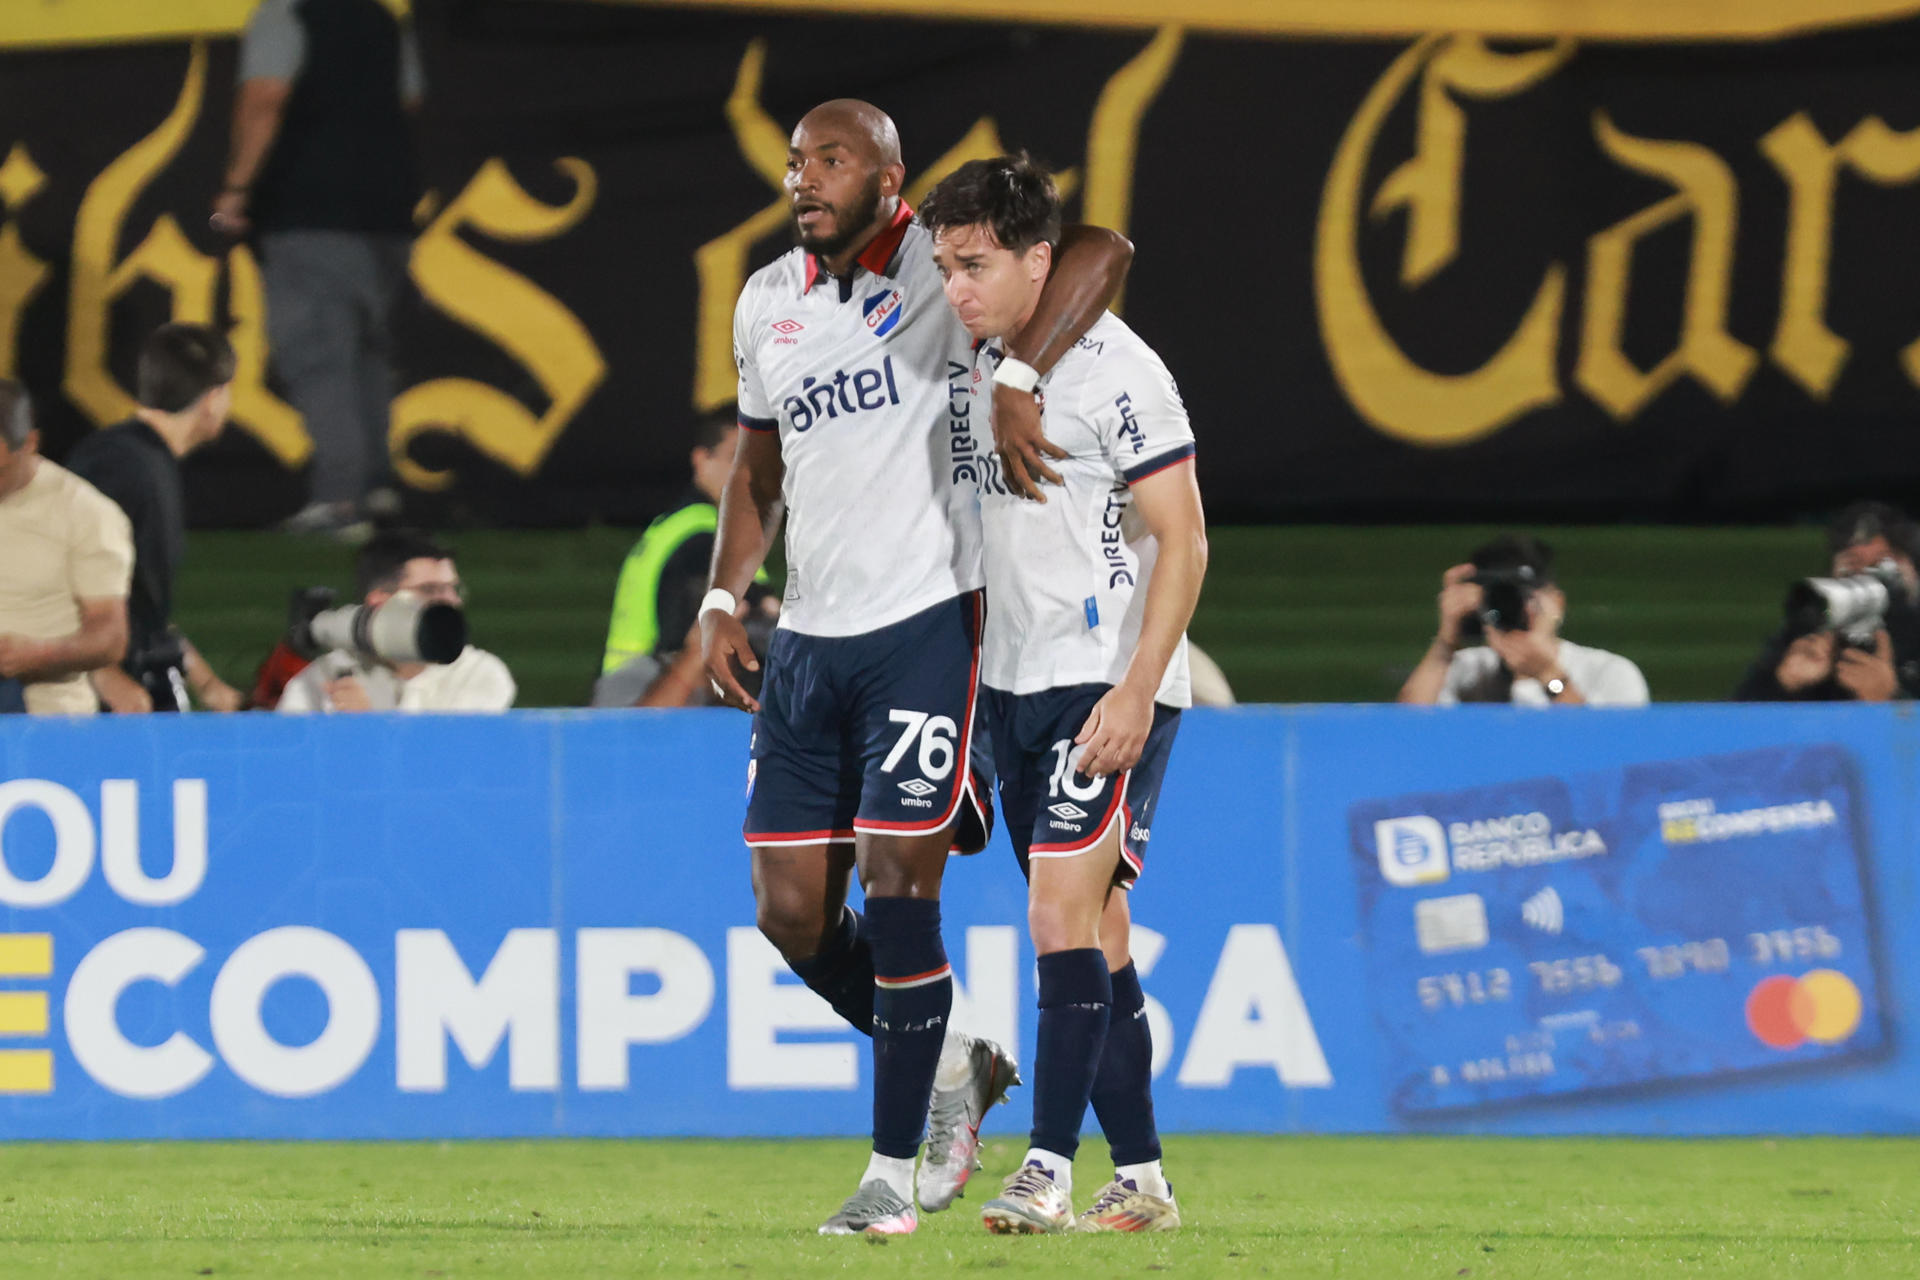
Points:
point(883, 312)
point(833, 394)
point(1129, 424)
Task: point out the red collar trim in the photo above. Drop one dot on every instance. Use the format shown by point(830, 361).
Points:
point(879, 252)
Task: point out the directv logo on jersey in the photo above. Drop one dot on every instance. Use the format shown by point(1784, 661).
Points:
point(1119, 569)
point(883, 312)
point(829, 395)
point(967, 467)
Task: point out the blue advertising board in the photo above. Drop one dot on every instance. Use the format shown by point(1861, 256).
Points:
point(1356, 919)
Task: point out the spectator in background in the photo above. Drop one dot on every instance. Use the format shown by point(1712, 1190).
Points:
point(649, 660)
point(185, 387)
point(1210, 687)
point(389, 563)
point(321, 166)
point(1821, 667)
point(1521, 659)
point(66, 557)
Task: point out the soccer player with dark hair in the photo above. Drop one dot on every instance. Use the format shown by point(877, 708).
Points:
point(1086, 672)
point(853, 392)
point(184, 385)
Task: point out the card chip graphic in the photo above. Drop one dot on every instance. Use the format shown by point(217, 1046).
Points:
point(1457, 923)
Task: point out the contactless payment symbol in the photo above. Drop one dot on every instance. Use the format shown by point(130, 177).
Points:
point(1822, 1006)
point(1412, 851)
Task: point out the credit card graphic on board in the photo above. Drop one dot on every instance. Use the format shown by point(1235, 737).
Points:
point(1683, 920)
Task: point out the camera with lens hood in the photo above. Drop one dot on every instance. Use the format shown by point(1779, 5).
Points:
point(404, 628)
point(1853, 608)
point(1504, 594)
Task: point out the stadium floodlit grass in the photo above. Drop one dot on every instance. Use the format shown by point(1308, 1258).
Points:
point(1351, 1207)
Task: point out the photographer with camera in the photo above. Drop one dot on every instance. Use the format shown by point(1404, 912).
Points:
point(404, 648)
point(1505, 598)
point(1854, 636)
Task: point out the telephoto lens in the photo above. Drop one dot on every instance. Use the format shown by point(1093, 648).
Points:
point(405, 628)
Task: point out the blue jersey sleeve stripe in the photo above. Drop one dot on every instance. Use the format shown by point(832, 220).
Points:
point(763, 424)
point(1153, 466)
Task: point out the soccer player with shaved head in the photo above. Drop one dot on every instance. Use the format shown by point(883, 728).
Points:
point(1085, 672)
point(860, 431)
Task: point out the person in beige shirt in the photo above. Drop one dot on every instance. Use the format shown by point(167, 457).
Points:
point(66, 559)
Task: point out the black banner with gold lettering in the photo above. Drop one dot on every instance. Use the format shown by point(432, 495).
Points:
point(1429, 279)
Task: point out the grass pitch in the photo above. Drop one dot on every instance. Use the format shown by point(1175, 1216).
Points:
point(1351, 1207)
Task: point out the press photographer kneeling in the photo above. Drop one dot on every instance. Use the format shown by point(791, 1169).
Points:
point(404, 648)
point(1854, 636)
point(1505, 599)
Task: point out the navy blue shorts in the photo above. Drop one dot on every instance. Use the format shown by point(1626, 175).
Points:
point(875, 732)
point(1052, 810)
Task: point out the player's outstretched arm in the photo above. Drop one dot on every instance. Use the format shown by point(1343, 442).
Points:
point(750, 509)
point(1116, 730)
point(1088, 270)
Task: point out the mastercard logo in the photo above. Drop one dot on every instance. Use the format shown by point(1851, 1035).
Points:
point(1822, 1006)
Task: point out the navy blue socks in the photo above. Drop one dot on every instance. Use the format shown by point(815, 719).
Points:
point(1123, 1086)
point(1075, 998)
point(912, 996)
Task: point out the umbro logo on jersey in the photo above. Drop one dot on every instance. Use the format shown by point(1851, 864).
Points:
point(788, 327)
point(883, 312)
point(1071, 812)
point(918, 787)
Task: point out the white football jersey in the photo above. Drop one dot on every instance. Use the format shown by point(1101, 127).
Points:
point(866, 379)
point(1063, 600)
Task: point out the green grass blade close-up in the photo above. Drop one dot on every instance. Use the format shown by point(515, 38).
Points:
point(1292, 614)
point(1494, 1209)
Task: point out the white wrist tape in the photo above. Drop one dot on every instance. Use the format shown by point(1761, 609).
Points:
point(1017, 374)
point(719, 598)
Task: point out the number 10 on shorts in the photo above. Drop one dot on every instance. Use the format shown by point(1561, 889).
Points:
point(936, 735)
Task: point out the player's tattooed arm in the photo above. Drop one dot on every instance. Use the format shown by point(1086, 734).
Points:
point(750, 510)
point(1088, 270)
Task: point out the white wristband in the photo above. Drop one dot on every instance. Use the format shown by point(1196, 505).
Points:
point(719, 598)
point(1017, 374)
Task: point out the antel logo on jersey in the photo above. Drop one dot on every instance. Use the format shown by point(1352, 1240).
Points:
point(832, 395)
point(1413, 851)
point(883, 312)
